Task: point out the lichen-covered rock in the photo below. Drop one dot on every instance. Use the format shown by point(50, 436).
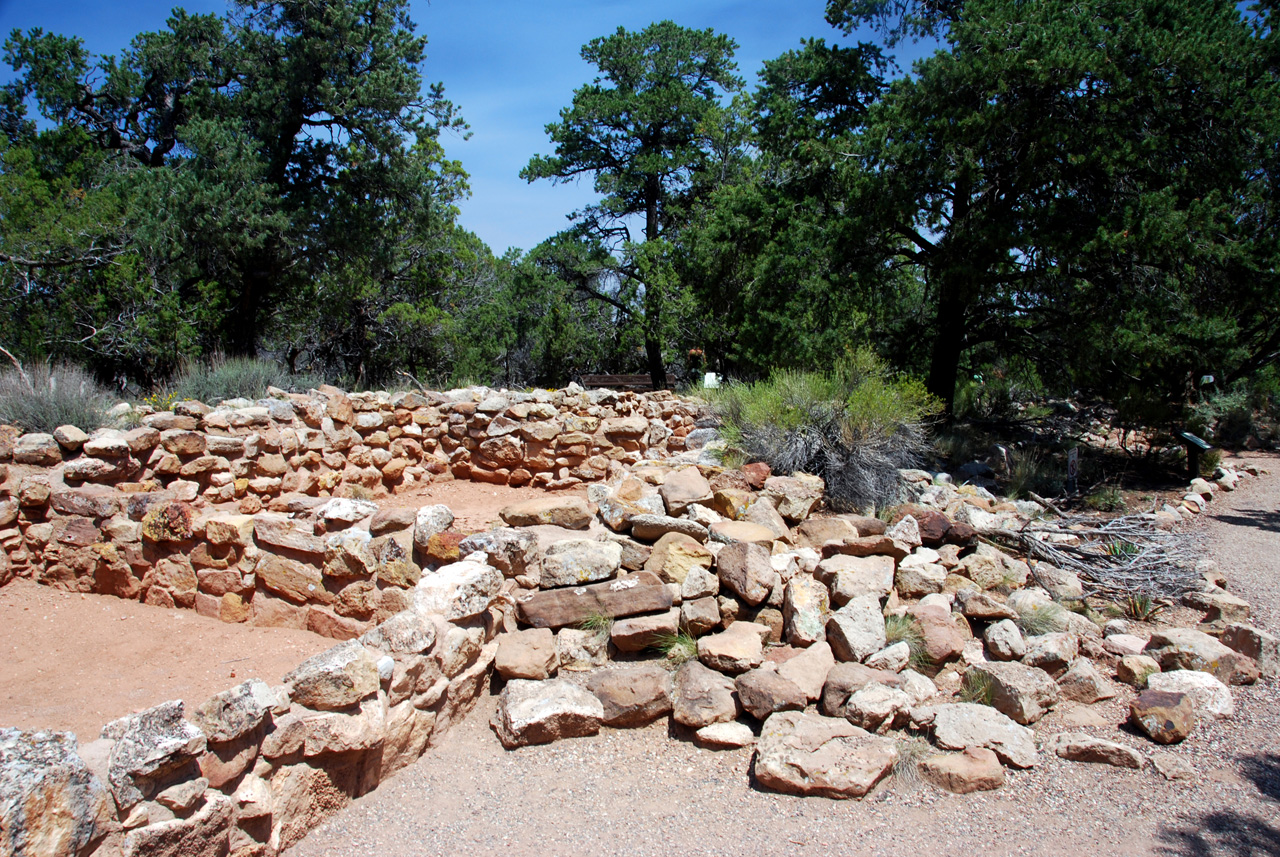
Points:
point(1210, 697)
point(1164, 717)
point(430, 521)
point(539, 712)
point(228, 715)
point(1185, 649)
point(878, 708)
point(172, 522)
point(37, 448)
point(573, 562)
point(856, 631)
point(458, 591)
point(205, 834)
point(404, 633)
point(148, 745)
point(50, 803)
point(511, 551)
point(806, 605)
point(808, 754)
point(964, 724)
point(334, 679)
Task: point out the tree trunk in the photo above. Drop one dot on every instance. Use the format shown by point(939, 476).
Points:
point(653, 303)
point(948, 342)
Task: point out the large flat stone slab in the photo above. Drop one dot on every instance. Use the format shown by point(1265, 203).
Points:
point(639, 593)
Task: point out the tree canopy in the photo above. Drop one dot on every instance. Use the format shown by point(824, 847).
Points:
point(646, 132)
point(1085, 189)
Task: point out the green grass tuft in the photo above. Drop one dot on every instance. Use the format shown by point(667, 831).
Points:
point(904, 629)
point(977, 687)
point(1042, 619)
point(1142, 608)
point(906, 768)
point(599, 624)
point(678, 648)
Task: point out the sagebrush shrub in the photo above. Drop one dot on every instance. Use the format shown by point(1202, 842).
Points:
point(854, 426)
point(238, 378)
point(59, 394)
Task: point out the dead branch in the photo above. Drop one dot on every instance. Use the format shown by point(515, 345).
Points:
point(1116, 557)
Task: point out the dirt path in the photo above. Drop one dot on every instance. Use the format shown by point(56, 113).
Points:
point(74, 662)
point(640, 792)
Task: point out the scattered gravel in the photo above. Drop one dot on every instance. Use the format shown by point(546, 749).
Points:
point(641, 792)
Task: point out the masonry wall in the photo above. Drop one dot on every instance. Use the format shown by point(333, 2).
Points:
point(233, 510)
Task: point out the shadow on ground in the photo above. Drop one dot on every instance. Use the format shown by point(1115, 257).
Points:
point(1255, 518)
point(1232, 834)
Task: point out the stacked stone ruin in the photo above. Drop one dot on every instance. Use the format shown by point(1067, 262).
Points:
point(569, 604)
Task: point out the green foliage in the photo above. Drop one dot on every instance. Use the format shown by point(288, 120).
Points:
point(51, 396)
point(648, 131)
point(1142, 608)
point(854, 426)
point(1042, 619)
point(1121, 548)
point(901, 628)
point(1108, 499)
point(977, 687)
point(678, 648)
point(1227, 416)
point(1209, 462)
point(1079, 183)
point(1031, 470)
point(238, 378)
point(268, 178)
point(599, 624)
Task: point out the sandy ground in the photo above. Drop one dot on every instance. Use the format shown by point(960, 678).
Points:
point(475, 505)
point(74, 662)
point(641, 792)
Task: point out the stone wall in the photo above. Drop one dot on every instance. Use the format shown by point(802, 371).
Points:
point(251, 770)
point(238, 511)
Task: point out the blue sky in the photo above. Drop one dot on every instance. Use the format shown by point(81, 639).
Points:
point(511, 65)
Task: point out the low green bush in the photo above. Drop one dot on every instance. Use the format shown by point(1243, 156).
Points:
point(238, 378)
point(854, 426)
point(52, 395)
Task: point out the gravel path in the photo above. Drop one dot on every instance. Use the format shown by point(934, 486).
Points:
point(642, 792)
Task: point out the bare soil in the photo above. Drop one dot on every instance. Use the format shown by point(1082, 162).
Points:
point(643, 792)
point(475, 505)
point(70, 661)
